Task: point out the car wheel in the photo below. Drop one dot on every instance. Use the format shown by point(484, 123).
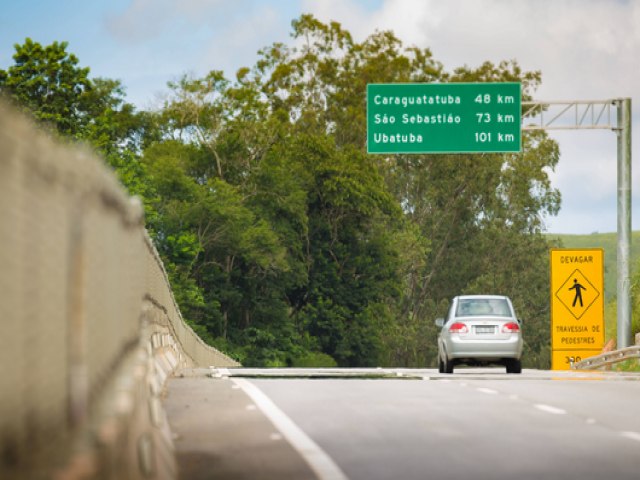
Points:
point(514, 366)
point(447, 366)
point(440, 365)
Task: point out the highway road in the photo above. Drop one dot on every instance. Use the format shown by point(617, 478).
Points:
point(411, 424)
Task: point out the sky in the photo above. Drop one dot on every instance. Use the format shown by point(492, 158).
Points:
point(585, 50)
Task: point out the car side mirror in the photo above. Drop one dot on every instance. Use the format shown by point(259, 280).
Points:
point(440, 322)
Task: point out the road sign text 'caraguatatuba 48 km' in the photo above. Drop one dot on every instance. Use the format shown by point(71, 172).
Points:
point(577, 305)
point(443, 117)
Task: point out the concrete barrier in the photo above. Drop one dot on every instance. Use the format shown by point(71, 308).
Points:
point(90, 328)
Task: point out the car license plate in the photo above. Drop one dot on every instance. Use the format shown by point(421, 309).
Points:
point(483, 330)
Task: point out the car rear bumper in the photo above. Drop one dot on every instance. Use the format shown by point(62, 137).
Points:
point(487, 350)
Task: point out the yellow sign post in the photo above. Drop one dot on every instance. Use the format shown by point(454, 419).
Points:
point(577, 305)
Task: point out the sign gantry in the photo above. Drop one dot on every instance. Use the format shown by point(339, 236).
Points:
point(568, 115)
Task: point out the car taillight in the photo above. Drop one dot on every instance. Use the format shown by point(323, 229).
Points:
point(458, 328)
point(511, 327)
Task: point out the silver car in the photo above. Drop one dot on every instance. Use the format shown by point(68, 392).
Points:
point(480, 330)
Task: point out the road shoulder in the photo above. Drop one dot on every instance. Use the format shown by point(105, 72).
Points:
point(219, 432)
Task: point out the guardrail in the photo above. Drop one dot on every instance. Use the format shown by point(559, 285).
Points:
point(608, 358)
point(90, 330)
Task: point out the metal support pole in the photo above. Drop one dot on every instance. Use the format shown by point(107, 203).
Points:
point(602, 120)
point(624, 221)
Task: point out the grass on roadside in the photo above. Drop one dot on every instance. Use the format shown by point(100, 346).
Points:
point(630, 365)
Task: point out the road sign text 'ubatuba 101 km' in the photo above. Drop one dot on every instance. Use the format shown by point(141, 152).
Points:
point(443, 117)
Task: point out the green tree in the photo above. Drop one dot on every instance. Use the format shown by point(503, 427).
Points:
point(326, 208)
point(48, 82)
point(352, 258)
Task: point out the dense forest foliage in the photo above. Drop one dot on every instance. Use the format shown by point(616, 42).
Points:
point(286, 244)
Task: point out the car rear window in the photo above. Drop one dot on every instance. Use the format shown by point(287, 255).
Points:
point(474, 307)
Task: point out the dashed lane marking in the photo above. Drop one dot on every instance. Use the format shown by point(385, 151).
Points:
point(488, 391)
point(550, 409)
point(631, 435)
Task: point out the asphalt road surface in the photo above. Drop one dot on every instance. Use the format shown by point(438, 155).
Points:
point(413, 424)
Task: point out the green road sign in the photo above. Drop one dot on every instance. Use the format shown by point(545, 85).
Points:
point(443, 117)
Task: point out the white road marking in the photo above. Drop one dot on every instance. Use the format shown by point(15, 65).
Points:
point(488, 391)
point(322, 465)
point(631, 435)
point(550, 409)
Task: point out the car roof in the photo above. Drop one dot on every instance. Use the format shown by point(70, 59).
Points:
point(465, 297)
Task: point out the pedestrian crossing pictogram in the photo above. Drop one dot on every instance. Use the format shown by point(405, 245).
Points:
point(577, 294)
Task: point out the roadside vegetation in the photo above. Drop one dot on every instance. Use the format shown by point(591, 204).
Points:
point(286, 244)
point(632, 365)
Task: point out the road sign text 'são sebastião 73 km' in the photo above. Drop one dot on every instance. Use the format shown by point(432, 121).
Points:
point(443, 117)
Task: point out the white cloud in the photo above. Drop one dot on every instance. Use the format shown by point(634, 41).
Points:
point(146, 20)
point(165, 39)
point(142, 20)
point(240, 41)
point(410, 15)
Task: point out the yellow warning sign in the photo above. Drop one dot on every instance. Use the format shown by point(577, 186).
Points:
point(577, 305)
